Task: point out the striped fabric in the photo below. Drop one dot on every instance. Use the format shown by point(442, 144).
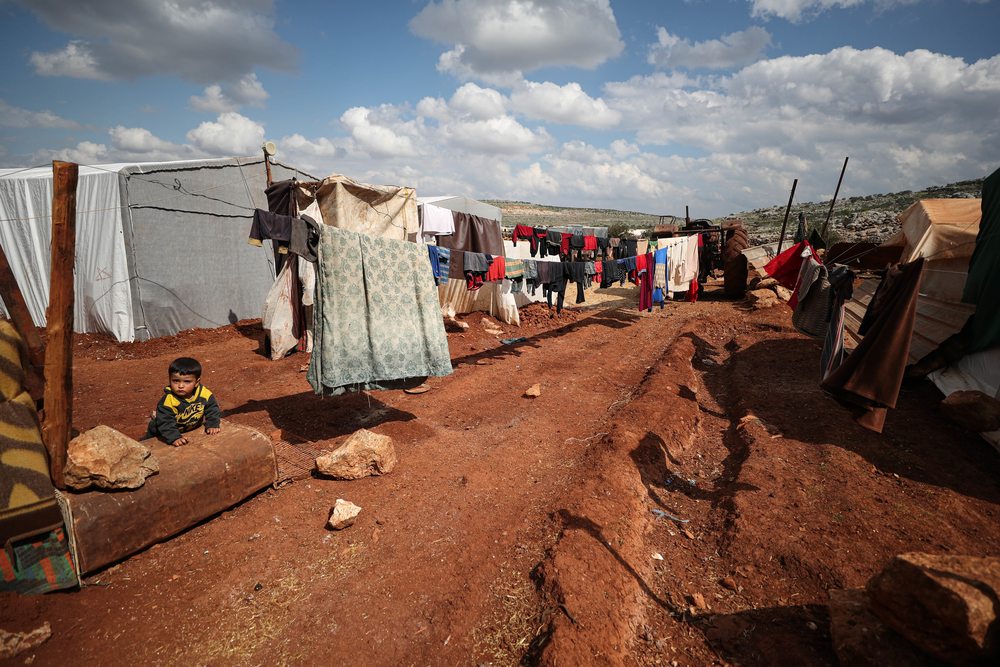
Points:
point(515, 268)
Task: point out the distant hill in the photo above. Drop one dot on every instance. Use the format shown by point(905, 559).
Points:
point(855, 218)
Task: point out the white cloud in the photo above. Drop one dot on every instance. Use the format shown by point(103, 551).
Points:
point(798, 10)
point(495, 136)
point(479, 103)
point(204, 41)
point(738, 48)
point(380, 132)
point(321, 147)
point(562, 104)
point(216, 98)
point(231, 135)
point(496, 40)
point(11, 116)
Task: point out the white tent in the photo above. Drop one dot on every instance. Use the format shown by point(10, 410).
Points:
point(160, 247)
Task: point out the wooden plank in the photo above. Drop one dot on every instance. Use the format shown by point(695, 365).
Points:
point(59, 320)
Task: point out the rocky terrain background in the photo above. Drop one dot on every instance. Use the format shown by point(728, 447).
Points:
point(871, 218)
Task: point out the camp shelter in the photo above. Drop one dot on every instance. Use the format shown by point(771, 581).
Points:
point(386, 211)
point(943, 232)
point(160, 247)
point(493, 298)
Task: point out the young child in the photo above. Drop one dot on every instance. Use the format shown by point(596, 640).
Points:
point(185, 406)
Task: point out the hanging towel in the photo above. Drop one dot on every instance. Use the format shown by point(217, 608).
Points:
point(435, 221)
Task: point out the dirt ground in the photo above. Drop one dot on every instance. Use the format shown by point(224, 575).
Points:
point(673, 456)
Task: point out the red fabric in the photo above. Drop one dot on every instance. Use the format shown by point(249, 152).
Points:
point(523, 231)
point(590, 243)
point(640, 263)
point(645, 282)
point(564, 248)
point(785, 267)
point(692, 294)
point(498, 269)
point(598, 267)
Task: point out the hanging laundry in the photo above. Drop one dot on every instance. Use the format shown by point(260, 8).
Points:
point(472, 234)
point(660, 269)
point(515, 274)
point(841, 291)
point(432, 252)
point(785, 267)
point(525, 232)
point(377, 321)
point(645, 264)
point(444, 260)
point(435, 221)
point(497, 271)
point(812, 298)
point(590, 243)
point(867, 382)
point(476, 266)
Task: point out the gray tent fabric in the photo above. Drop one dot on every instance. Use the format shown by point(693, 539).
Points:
point(186, 226)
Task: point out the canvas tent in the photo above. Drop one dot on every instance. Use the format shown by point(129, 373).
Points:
point(943, 232)
point(161, 247)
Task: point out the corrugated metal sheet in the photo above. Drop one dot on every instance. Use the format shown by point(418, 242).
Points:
point(936, 320)
point(760, 255)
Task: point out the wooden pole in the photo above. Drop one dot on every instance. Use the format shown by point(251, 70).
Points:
point(788, 210)
point(19, 315)
point(267, 165)
point(687, 215)
point(835, 193)
point(59, 320)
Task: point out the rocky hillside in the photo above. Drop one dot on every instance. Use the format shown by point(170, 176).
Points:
point(871, 218)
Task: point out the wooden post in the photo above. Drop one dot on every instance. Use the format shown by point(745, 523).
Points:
point(687, 215)
point(59, 320)
point(19, 315)
point(788, 210)
point(835, 193)
point(267, 165)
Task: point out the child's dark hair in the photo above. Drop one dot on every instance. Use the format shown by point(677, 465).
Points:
point(185, 366)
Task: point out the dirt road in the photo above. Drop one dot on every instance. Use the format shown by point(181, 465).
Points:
point(518, 530)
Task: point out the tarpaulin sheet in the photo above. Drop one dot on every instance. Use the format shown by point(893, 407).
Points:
point(386, 211)
point(103, 301)
point(983, 284)
point(943, 232)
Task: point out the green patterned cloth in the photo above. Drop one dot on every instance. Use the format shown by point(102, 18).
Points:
point(377, 322)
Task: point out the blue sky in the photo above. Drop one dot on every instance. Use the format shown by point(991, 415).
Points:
point(716, 104)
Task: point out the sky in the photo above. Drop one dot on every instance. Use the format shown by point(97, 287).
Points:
point(645, 106)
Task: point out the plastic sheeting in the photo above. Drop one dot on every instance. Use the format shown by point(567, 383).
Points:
point(386, 211)
point(943, 231)
point(103, 301)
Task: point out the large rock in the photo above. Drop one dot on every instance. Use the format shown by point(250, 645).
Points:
point(973, 410)
point(761, 298)
point(363, 454)
point(861, 639)
point(767, 283)
point(946, 605)
point(343, 514)
point(108, 459)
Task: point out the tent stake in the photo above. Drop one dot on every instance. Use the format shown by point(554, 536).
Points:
point(19, 315)
point(788, 209)
point(835, 193)
point(59, 320)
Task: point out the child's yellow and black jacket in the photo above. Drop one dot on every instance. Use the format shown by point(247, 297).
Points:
point(176, 415)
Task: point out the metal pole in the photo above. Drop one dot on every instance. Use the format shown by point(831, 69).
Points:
point(835, 193)
point(59, 320)
point(788, 210)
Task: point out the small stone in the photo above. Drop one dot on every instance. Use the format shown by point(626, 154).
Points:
point(105, 458)
point(13, 644)
point(783, 292)
point(363, 454)
point(698, 600)
point(972, 410)
point(727, 582)
point(688, 534)
point(534, 391)
point(343, 514)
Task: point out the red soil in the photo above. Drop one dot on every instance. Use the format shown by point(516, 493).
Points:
point(519, 530)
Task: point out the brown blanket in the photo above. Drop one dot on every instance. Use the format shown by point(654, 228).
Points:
point(472, 234)
point(868, 381)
